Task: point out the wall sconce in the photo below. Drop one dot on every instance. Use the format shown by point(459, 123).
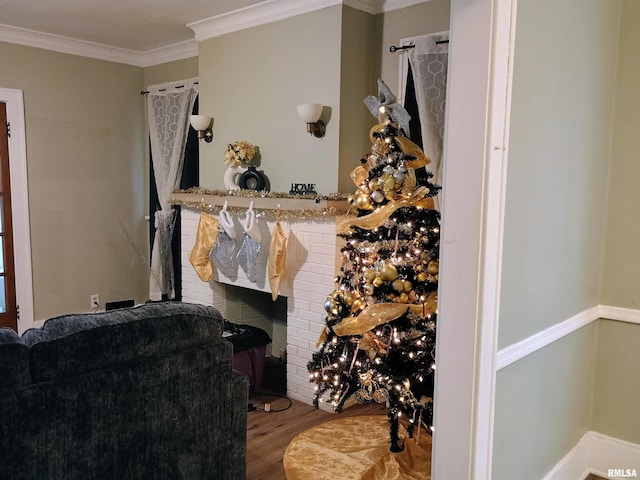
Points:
point(310, 113)
point(203, 125)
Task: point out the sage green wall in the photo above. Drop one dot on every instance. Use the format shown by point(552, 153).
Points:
point(621, 281)
point(85, 161)
point(560, 141)
point(332, 56)
point(171, 71)
point(616, 383)
point(542, 406)
point(556, 193)
point(359, 65)
point(251, 82)
point(428, 17)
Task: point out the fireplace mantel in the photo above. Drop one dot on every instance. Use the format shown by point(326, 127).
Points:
point(289, 206)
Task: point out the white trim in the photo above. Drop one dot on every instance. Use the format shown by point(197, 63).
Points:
point(274, 10)
point(254, 15)
point(596, 453)
point(250, 16)
point(519, 350)
point(20, 205)
point(83, 48)
point(618, 313)
point(500, 83)
point(471, 238)
point(170, 53)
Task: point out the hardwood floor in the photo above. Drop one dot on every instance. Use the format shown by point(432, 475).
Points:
point(269, 433)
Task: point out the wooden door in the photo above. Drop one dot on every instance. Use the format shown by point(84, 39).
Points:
point(8, 307)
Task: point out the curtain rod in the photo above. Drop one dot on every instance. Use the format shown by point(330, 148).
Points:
point(146, 92)
point(394, 49)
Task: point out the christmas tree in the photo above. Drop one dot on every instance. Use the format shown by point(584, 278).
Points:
point(378, 344)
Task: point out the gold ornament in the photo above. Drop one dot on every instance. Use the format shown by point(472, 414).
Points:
point(398, 285)
point(407, 286)
point(358, 304)
point(369, 275)
point(378, 281)
point(388, 272)
point(363, 201)
point(433, 267)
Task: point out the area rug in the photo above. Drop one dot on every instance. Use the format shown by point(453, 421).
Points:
point(356, 448)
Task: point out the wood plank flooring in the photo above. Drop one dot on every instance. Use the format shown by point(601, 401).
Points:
point(269, 433)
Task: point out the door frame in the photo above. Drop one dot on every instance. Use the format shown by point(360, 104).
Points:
point(14, 100)
point(474, 183)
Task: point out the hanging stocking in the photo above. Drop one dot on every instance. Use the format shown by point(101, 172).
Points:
point(222, 253)
point(250, 248)
point(277, 257)
point(206, 235)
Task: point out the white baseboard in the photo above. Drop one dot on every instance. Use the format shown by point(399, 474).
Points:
point(599, 454)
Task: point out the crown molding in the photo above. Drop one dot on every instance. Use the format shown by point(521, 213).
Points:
point(58, 43)
point(273, 10)
point(170, 53)
point(251, 16)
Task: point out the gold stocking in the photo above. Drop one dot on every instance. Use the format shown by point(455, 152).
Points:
point(205, 238)
point(277, 257)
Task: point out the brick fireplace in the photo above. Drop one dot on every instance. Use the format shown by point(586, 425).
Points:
point(312, 259)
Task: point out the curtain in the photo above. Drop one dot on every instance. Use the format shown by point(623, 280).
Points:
point(168, 128)
point(428, 69)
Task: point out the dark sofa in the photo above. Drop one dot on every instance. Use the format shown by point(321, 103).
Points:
point(140, 393)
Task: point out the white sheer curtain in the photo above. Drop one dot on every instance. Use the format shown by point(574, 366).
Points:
point(168, 127)
point(428, 60)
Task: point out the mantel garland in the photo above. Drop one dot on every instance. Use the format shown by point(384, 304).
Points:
point(307, 214)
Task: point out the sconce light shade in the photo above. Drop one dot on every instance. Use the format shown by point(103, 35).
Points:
point(202, 124)
point(310, 113)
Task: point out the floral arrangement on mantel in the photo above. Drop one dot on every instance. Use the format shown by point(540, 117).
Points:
point(239, 153)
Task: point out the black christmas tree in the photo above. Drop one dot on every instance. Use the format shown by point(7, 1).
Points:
point(378, 344)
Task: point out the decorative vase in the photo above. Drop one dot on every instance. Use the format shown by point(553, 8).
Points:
point(252, 180)
point(232, 177)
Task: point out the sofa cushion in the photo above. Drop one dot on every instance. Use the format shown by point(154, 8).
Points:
point(14, 360)
point(75, 344)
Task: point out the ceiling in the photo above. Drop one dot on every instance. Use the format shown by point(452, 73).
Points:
point(148, 32)
point(137, 25)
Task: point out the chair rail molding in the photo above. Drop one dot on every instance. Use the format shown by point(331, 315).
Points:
point(529, 345)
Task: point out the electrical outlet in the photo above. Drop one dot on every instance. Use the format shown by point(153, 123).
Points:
point(95, 300)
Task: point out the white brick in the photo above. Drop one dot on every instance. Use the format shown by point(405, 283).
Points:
point(297, 361)
point(296, 323)
point(313, 317)
point(298, 342)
